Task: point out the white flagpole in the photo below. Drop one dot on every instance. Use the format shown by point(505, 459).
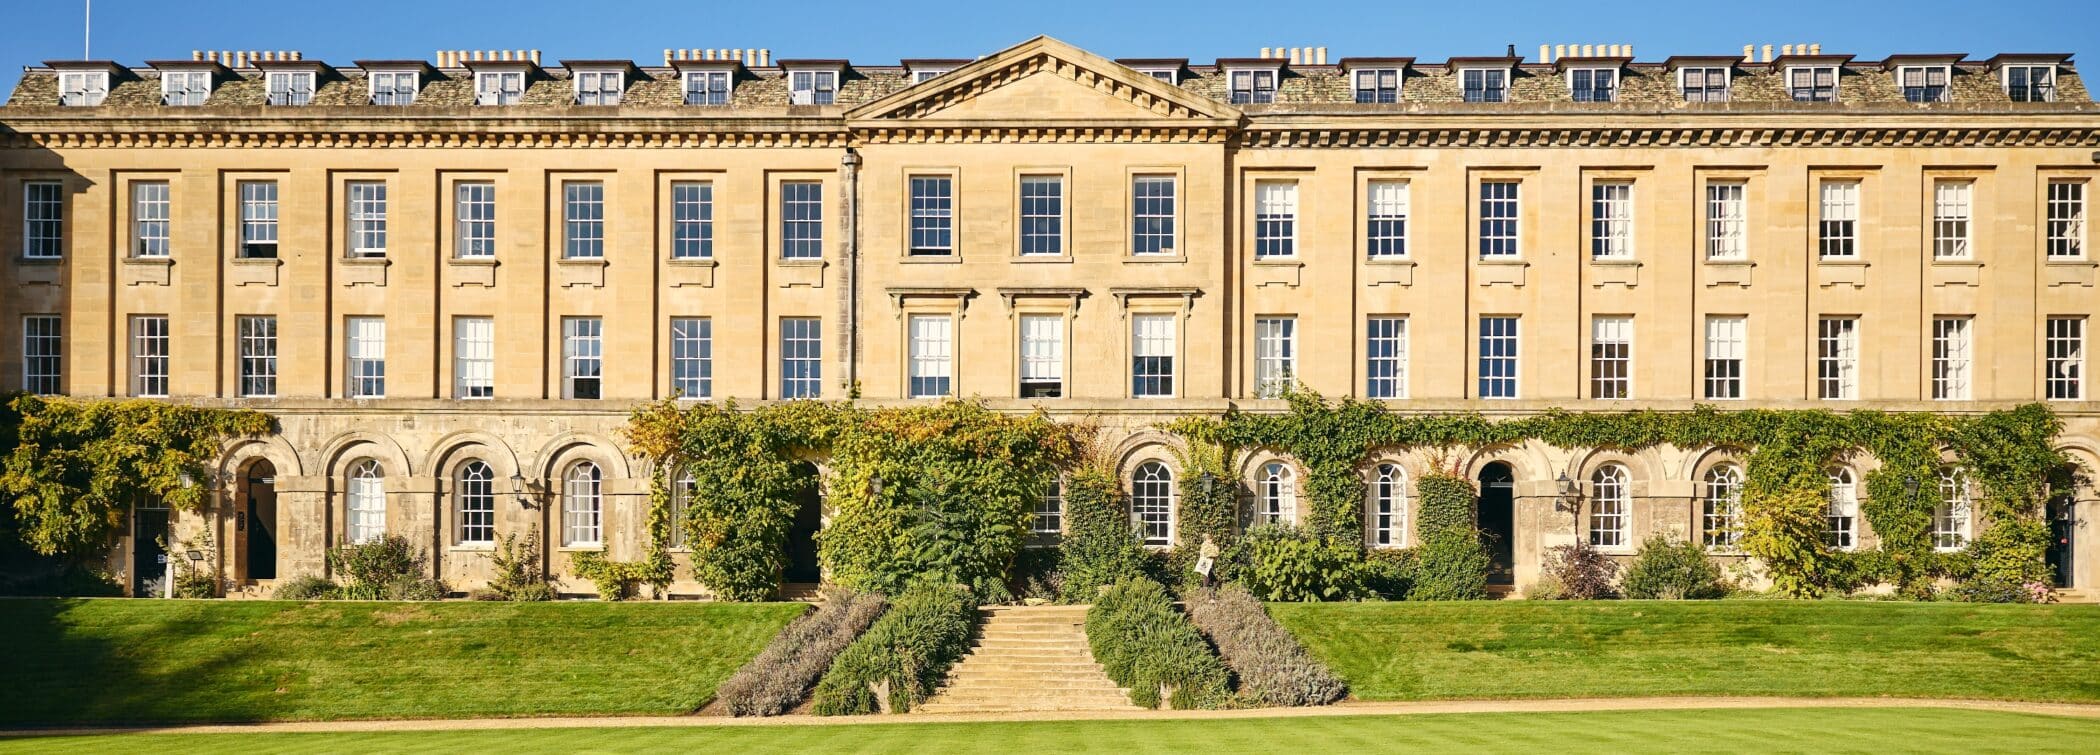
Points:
point(87, 29)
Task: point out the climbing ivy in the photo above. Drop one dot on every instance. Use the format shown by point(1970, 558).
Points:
point(74, 467)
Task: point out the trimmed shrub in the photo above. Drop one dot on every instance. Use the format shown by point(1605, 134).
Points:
point(1451, 568)
point(904, 655)
point(1987, 589)
point(781, 676)
point(1389, 573)
point(1286, 563)
point(370, 570)
point(1273, 669)
point(305, 587)
point(417, 588)
point(1148, 647)
point(1579, 571)
point(1673, 571)
point(614, 580)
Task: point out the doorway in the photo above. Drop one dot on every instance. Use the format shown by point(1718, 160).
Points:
point(149, 552)
point(259, 494)
point(1496, 517)
point(802, 565)
point(2063, 524)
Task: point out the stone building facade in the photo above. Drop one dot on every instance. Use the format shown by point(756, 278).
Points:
point(451, 282)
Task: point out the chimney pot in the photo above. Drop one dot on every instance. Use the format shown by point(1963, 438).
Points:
point(1749, 53)
point(1320, 55)
point(1785, 50)
point(1768, 53)
point(1265, 52)
point(1815, 49)
point(1543, 57)
point(535, 57)
point(765, 56)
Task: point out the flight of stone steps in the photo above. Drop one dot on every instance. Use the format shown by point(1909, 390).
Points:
point(1029, 658)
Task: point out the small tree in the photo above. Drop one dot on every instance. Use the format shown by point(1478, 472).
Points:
point(1785, 531)
point(1667, 570)
point(1580, 571)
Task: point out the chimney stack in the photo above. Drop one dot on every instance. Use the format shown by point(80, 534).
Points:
point(1815, 49)
point(1320, 55)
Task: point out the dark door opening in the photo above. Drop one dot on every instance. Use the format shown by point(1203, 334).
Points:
point(1497, 520)
point(2063, 521)
point(802, 536)
point(149, 554)
point(261, 526)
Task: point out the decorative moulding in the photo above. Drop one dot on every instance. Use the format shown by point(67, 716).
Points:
point(471, 271)
point(1277, 273)
point(585, 272)
point(253, 272)
point(1383, 272)
point(2069, 273)
point(1957, 273)
point(1500, 272)
point(1187, 295)
point(792, 273)
point(1615, 272)
point(690, 272)
point(364, 271)
point(958, 297)
point(147, 271)
point(38, 272)
point(1071, 295)
point(1728, 273)
point(1833, 273)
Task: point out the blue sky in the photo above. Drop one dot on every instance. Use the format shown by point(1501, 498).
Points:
point(132, 31)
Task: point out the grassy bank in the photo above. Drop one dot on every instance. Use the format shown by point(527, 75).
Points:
point(80, 661)
point(1527, 649)
point(1739, 731)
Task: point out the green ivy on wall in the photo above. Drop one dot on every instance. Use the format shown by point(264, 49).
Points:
point(74, 467)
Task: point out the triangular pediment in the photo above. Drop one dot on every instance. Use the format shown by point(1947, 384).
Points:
point(1044, 80)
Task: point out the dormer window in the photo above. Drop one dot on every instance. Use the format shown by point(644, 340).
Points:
point(1168, 75)
point(1252, 87)
point(923, 75)
point(1594, 84)
point(393, 87)
point(1923, 83)
point(185, 88)
point(2030, 83)
point(293, 88)
point(499, 87)
point(1812, 83)
point(599, 87)
point(1376, 85)
point(1484, 84)
point(1704, 83)
point(706, 87)
point(82, 88)
point(813, 87)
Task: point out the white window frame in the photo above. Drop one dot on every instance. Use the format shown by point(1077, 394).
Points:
point(704, 93)
point(692, 220)
point(2066, 219)
point(1148, 213)
point(1153, 336)
point(152, 219)
point(583, 220)
point(1501, 93)
point(82, 88)
point(1169, 75)
point(1275, 355)
point(1275, 219)
point(583, 506)
point(496, 88)
point(582, 358)
point(2064, 347)
point(931, 360)
point(43, 220)
point(474, 504)
point(2047, 88)
point(1837, 358)
point(401, 87)
point(182, 88)
point(692, 357)
point(1727, 89)
point(256, 356)
point(366, 210)
point(1042, 215)
point(1253, 93)
point(43, 354)
point(1042, 355)
point(150, 356)
point(811, 86)
point(801, 357)
point(1953, 211)
point(1953, 358)
point(1387, 518)
point(258, 218)
point(1277, 491)
point(474, 358)
point(1048, 516)
point(1500, 245)
point(1153, 494)
point(598, 87)
point(1611, 357)
point(1838, 234)
point(1841, 516)
point(1727, 220)
point(1611, 507)
point(364, 357)
point(1611, 220)
point(1377, 76)
point(1392, 332)
point(474, 217)
point(1514, 360)
point(1946, 86)
point(1953, 515)
point(801, 238)
point(1388, 202)
point(930, 202)
point(289, 88)
point(364, 503)
point(1721, 507)
point(1727, 345)
point(923, 75)
point(1611, 93)
point(1837, 76)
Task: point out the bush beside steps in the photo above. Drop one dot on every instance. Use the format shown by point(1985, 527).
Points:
point(1273, 669)
point(781, 676)
point(904, 656)
point(1148, 647)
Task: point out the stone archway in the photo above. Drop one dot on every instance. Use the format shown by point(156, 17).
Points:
point(803, 566)
point(258, 530)
point(1495, 513)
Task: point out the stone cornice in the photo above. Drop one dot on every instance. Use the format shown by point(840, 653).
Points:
point(1687, 136)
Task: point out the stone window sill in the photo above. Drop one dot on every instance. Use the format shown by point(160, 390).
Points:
point(931, 259)
point(473, 261)
point(1843, 262)
point(1041, 259)
point(1154, 259)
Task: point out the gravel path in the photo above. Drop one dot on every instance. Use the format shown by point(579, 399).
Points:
point(1342, 709)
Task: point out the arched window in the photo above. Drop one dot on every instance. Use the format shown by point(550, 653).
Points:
point(582, 492)
point(1724, 506)
point(1388, 506)
point(1950, 519)
point(1152, 503)
point(1610, 506)
point(1279, 499)
point(366, 513)
point(1844, 509)
point(475, 499)
point(682, 491)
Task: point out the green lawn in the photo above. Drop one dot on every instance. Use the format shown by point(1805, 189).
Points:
point(1513, 649)
point(115, 660)
point(1736, 731)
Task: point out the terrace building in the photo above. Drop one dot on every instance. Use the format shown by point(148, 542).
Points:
point(451, 281)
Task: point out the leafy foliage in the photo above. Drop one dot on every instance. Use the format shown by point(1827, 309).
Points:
point(1667, 570)
point(614, 580)
point(387, 568)
point(75, 466)
point(780, 676)
point(1282, 562)
point(1148, 647)
point(903, 658)
point(1578, 571)
point(305, 587)
point(1451, 563)
point(1785, 531)
point(1100, 548)
point(516, 563)
point(1272, 668)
